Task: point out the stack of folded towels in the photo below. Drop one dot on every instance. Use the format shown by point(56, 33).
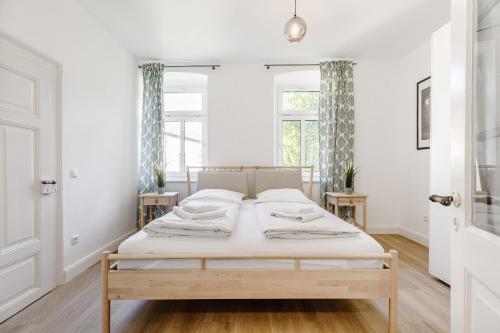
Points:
point(198, 216)
point(288, 214)
point(305, 213)
point(301, 221)
point(199, 211)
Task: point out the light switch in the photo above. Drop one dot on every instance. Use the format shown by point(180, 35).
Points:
point(73, 173)
point(75, 239)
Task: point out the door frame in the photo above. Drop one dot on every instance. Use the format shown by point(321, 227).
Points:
point(59, 176)
point(461, 107)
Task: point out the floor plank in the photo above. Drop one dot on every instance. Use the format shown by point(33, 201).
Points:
point(75, 307)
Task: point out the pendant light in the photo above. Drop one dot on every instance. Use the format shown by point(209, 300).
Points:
point(295, 28)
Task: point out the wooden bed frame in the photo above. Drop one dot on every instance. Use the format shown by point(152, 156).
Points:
point(202, 283)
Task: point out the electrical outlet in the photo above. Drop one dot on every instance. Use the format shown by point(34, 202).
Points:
point(74, 239)
point(426, 218)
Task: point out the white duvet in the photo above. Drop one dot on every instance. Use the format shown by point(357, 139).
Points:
point(328, 226)
point(175, 225)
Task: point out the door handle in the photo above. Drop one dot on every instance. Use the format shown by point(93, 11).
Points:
point(446, 200)
point(443, 200)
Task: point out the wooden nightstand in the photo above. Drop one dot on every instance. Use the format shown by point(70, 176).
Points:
point(351, 200)
point(152, 200)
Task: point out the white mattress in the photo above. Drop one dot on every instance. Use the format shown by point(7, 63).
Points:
point(248, 237)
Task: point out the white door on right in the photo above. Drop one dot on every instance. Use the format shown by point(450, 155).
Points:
point(475, 166)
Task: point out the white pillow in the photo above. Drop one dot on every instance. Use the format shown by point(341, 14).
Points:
point(283, 195)
point(216, 195)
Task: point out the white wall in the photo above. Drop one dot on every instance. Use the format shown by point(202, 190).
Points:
point(98, 121)
point(241, 128)
point(413, 163)
point(241, 115)
point(376, 141)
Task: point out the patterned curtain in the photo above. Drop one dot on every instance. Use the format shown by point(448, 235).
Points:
point(152, 127)
point(336, 124)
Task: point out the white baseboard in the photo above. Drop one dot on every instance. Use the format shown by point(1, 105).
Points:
point(415, 236)
point(382, 229)
point(91, 259)
point(408, 233)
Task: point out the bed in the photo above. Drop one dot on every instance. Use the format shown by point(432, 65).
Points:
point(247, 265)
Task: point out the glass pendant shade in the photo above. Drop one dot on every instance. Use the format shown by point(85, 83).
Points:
point(295, 29)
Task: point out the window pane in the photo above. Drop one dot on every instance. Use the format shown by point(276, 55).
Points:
point(291, 142)
point(173, 145)
point(311, 144)
point(183, 101)
point(194, 143)
point(300, 100)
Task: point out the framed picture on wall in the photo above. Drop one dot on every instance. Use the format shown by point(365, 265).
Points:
point(424, 114)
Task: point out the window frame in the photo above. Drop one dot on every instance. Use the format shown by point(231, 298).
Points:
point(302, 116)
point(183, 117)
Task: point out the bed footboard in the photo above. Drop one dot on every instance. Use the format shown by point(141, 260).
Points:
point(249, 284)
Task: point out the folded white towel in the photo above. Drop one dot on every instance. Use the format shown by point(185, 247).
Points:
point(299, 217)
point(328, 226)
point(200, 207)
point(297, 210)
point(199, 216)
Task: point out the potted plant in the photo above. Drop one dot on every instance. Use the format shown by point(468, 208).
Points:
point(160, 180)
point(350, 173)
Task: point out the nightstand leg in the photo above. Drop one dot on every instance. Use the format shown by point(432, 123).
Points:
point(141, 210)
point(150, 209)
point(354, 215)
point(337, 207)
point(365, 207)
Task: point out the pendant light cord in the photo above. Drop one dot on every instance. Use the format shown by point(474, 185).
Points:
point(295, 9)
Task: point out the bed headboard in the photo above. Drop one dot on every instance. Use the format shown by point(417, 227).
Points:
point(231, 180)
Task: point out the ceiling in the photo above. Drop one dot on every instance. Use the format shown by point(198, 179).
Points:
point(234, 31)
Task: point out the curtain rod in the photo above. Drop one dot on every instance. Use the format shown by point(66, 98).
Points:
point(268, 66)
point(187, 66)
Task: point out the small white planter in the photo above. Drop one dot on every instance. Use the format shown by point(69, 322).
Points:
point(161, 190)
point(348, 190)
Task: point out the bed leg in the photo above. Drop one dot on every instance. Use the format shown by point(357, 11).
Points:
point(106, 303)
point(393, 300)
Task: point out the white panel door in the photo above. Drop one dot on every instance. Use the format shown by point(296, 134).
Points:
point(440, 217)
point(475, 166)
point(28, 155)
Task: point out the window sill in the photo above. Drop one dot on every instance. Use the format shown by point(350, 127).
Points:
point(179, 179)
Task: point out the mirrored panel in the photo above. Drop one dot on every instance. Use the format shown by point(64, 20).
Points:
point(486, 117)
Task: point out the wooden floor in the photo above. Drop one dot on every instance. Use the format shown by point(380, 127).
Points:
point(75, 307)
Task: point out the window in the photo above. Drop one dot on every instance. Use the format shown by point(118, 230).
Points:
point(300, 101)
point(183, 101)
point(297, 127)
point(185, 96)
